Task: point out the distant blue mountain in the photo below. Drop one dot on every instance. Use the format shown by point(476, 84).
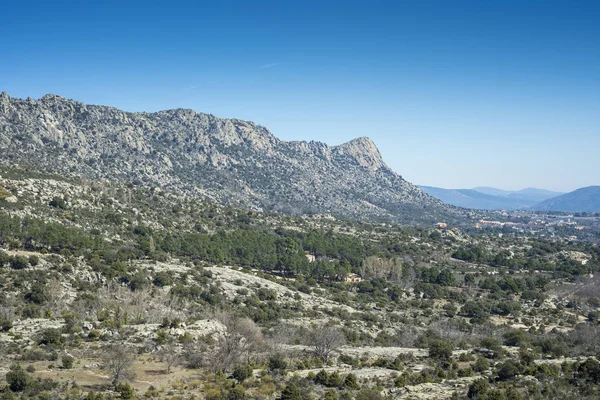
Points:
point(530, 194)
point(491, 191)
point(487, 198)
point(586, 199)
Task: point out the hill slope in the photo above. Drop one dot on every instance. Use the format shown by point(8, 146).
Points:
point(468, 198)
point(586, 199)
point(488, 198)
point(226, 160)
point(533, 195)
point(491, 191)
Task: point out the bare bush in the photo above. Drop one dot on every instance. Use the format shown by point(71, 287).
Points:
point(283, 334)
point(57, 297)
point(447, 330)
point(591, 287)
point(584, 339)
point(387, 268)
point(141, 305)
point(240, 340)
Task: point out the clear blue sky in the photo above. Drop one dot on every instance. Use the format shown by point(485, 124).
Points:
point(455, 93)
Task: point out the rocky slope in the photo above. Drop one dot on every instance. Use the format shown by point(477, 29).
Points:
point(227, 160)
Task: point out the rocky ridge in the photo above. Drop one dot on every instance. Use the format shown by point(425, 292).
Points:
point(226, 160)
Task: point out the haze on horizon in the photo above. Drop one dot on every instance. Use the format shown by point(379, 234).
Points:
point(472, 93)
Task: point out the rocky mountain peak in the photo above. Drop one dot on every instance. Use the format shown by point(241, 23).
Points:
point(230, 161)
point(364, 151)
point(51, 97)
point(4, 100)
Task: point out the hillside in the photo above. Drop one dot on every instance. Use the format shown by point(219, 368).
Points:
point(586, 199)
point(230, 161)
point(195, 300)
point(533, 195)
point(488, 198)
point(473, 199)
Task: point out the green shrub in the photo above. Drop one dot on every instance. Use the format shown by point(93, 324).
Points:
point(330, 394)
point(125, 390)
point(242, 372)
point(19, 262)
point(440, 350)
point(478, 389)
point(266, 294)
point(31, 311)
point(94, 334)
point(162, 278)
point(4, 258)
point(58, 202)
point(589, 370)
point(482, 364)
point(322, 378)
point(493, 345)
point(515, 337)
point(351, 382)
point(18, 380)
point(67, 361)
point(37, 294)
point(4, 194)
point(291, 392)
point(335, 380)
point(34, 260)
point(236, 393)
point(5, 323)
point(508, 370)
point(369, 394)
point(162, 336)
point(277, 363)
point(50, 337)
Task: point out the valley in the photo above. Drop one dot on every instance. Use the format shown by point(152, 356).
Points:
point(197, 299)
point(299, 200)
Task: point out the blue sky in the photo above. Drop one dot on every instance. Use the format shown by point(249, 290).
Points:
point(455, 93)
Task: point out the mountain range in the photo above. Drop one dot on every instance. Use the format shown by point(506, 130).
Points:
point(489, 198)
point(532, 195)
point(474, 199)
point(229, 161)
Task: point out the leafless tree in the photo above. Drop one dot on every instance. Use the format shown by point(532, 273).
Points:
point(56, 296)
point(141, 305)
point(409, 277)
point(325, 339)
point(282, 334)
point(376, 267)
point(590, 287)
point(169, 355)
point(447, 330)
point(197, 355)
point(118, 360)
point(584, 339)
point(7, 307)
point(241, 338)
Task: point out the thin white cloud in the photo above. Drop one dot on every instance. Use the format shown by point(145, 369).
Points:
point(190, 88)
point(271, 65)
